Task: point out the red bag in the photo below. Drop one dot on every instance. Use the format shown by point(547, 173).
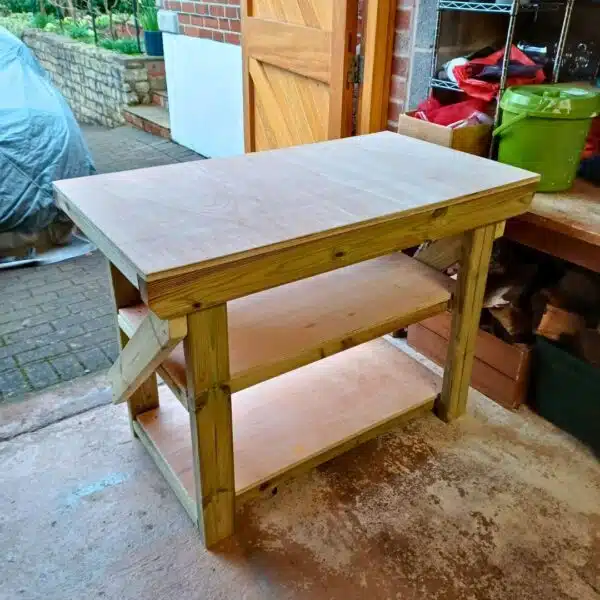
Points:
point(487, 90)
point(434, 112)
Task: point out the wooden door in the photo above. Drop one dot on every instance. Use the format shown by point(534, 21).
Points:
point(298, 56)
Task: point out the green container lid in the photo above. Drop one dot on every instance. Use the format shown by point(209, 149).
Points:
point(552, 101)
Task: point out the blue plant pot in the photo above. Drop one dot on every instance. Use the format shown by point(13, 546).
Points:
point(154, 43)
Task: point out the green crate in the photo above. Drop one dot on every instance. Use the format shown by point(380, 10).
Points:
point(566, 392)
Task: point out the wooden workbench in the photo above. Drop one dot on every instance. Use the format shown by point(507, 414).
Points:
point(233, 277)
point(563, 224)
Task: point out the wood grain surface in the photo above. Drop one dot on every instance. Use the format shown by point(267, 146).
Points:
point(294, 422)
point(296, 57)
point(178, 220)
point(575, 212)
point(289, 326)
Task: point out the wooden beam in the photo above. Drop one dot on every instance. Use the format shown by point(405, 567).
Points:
point(470, 289)
point(442, 254)
point(150, 345)
point(146, 396)
point(284, 45)
point(343, 50)
point(378, 42)
point(249, 134)
point(179, 294)
point(209, 404)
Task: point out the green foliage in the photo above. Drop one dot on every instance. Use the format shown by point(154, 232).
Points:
point(24, 6)
point(79, 31)
point(148, 16)
point(102, 22)
point(124, 45)
point(40, 21)
point(20, 6)
point(16, 23)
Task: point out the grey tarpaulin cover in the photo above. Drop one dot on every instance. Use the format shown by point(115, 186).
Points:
point(40, 141)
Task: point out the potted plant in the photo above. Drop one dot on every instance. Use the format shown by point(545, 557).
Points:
point(152, 34)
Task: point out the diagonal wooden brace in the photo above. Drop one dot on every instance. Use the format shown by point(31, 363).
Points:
point(148, 347)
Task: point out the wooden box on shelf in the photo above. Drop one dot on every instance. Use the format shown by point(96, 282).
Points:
point(500, 370)
point(474, 139)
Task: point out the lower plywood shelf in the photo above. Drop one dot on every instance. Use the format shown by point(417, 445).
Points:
point(296, 421)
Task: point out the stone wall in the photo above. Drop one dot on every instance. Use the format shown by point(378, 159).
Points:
point(97, 83)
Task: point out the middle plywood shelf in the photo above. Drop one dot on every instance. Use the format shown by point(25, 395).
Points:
point(284, 328)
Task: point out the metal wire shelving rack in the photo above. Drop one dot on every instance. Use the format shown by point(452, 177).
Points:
point(512, 9)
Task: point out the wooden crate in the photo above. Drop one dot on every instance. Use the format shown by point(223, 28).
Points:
point(473, 140)
point(500, 370)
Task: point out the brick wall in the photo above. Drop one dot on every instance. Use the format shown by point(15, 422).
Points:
point(401, 60)
point(218, 21)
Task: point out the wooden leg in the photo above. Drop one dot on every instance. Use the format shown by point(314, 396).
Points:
point(466, 310)
point(146, 396)
point(209, 405)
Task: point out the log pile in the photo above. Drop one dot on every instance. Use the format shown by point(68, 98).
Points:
point(529, 293)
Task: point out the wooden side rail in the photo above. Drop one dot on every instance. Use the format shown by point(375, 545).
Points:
point(147, 348)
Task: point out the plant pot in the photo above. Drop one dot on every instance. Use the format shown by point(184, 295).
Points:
point(154, 43)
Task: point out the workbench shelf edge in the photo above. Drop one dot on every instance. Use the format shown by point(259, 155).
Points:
point(290, 424)
point(284, 328)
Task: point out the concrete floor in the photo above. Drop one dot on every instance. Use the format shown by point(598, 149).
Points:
point(494, 506)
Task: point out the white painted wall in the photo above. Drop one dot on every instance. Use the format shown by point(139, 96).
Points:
point(204, 82)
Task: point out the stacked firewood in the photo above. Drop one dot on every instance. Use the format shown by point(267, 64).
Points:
point(529, 293)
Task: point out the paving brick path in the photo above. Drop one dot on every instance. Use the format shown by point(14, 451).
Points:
point(57, 321)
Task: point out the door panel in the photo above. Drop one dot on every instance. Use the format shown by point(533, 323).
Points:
point(297, 55)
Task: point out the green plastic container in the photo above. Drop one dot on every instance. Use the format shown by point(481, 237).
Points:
point(544, 128)
point(566, 392)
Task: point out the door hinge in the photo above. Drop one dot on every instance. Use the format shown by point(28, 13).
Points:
point(355, 70)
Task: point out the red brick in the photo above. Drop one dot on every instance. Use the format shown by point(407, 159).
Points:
point(224, 24)
point(201, 9)
point(210, 22)
point(173, 5)
point(233, 2)
point(156, 68)
point(403, 19)
point(191, 31)
point(187, 7)
point(235, 26)
point(198, 21)
point(402, 43)
point(232, 38)
point(232, 12)
point(206, 34)
point(398, 88)
point(216, 11)
point(217, 36)
point(394, 110)
point(400, 66)
point(184, 19)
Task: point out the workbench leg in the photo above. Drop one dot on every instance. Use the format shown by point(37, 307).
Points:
point(209, 405)
point(146, 396)
point(466, 311)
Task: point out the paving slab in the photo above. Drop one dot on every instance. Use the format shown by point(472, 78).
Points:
point(57, 321)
